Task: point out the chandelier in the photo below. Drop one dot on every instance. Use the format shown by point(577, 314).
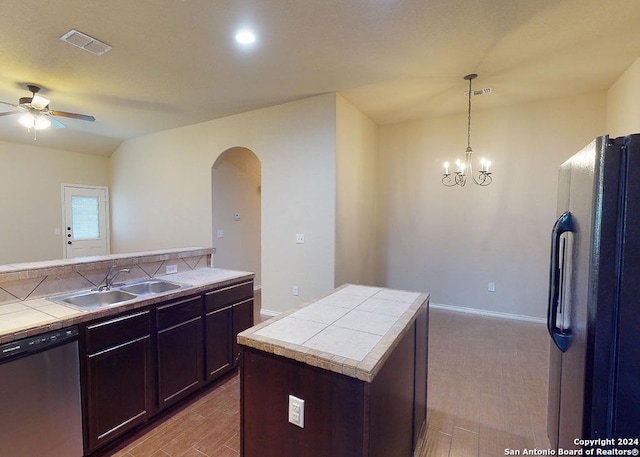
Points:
point(464, 168)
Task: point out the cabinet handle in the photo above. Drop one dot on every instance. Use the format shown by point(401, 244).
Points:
point(113, 348)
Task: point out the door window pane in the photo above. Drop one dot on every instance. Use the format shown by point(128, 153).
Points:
point(85, 217)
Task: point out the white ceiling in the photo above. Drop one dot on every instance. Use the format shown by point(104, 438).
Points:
point(175, 62)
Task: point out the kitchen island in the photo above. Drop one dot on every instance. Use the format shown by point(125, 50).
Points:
point(355, 363)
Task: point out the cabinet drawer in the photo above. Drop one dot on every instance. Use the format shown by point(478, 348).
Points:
point(228, 295)
point(179, 311)
point(117, 331)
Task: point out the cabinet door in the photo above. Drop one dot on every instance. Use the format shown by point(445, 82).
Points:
point(218, 347)
point(119, 376)
point(242, 320)
point(119, 380)
point(179, 361)
point(179, 349)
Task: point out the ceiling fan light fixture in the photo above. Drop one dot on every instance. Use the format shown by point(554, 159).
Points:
point(245, 37)
point(39, 102)
point(37, 122)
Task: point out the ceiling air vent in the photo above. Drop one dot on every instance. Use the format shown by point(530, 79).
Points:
point(486, 90)
point(85, 42)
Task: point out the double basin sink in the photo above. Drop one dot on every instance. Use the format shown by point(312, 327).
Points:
point(88, 300)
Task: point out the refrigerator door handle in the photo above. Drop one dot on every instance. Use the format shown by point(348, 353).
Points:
point(561, 338)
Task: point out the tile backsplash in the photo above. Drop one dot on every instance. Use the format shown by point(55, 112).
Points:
point(42, 279)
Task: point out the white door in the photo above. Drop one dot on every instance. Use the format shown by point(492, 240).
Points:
point(86, 228)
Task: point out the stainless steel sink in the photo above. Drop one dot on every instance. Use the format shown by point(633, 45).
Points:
point(150, 286)
point(88, 300)
point(95, 299)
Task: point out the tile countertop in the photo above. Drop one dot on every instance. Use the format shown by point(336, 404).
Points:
point(32, 317)
point(350, 331)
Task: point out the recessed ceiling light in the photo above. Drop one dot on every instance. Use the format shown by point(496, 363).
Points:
point(245, 36)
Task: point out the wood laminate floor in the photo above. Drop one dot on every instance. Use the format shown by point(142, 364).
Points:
point(487, 386)
point(487, 392)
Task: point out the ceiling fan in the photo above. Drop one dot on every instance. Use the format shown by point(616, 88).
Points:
point(36, 113)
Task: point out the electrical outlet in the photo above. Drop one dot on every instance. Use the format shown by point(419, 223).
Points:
point(171, 269)
point(491, 287)
point(296, 411)
point(220, 233)
point(299, 238)
point(295, 290)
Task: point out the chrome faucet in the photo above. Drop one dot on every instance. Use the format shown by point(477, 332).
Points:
point(111, 276)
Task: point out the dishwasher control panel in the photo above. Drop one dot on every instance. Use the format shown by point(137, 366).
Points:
point(37, 342)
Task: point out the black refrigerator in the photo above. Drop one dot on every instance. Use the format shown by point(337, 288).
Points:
point(593, 313)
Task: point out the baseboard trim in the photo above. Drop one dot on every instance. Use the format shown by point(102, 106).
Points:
point(484, 312)
point(267, 313)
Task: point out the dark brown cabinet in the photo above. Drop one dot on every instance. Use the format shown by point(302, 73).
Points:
point(242, 320)
point(421, 355)
point(140, 362)
point(179, 349)
point(229, 310)
point(219, 359)
point(119, 376)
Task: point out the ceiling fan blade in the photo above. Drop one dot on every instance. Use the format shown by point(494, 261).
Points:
point(9, 113)
point(38, 102)
point(82, 117)
point(56, 123)
point(10, 104)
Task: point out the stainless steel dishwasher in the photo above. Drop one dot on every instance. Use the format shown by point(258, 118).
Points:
point(40, 411)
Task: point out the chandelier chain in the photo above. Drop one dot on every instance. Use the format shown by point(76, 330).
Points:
point(469, 118)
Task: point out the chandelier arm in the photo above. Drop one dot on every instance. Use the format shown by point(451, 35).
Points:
point(459, 179)
point(447, 181)
point(484, 178)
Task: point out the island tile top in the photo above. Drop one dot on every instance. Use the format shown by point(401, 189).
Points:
point(350, 331)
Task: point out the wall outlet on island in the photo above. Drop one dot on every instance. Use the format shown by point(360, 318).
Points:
point(491, 287)
point(295, 291)
point(171, 269)
point(296, 411)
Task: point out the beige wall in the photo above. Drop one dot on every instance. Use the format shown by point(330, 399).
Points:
point(235, 189)
point(451, 242)
point(356, 160)
point(161, 191)
point(329, 172)
point(623, 103)
point(31, 202)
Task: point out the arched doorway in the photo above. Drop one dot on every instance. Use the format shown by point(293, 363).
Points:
point(236, 179)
